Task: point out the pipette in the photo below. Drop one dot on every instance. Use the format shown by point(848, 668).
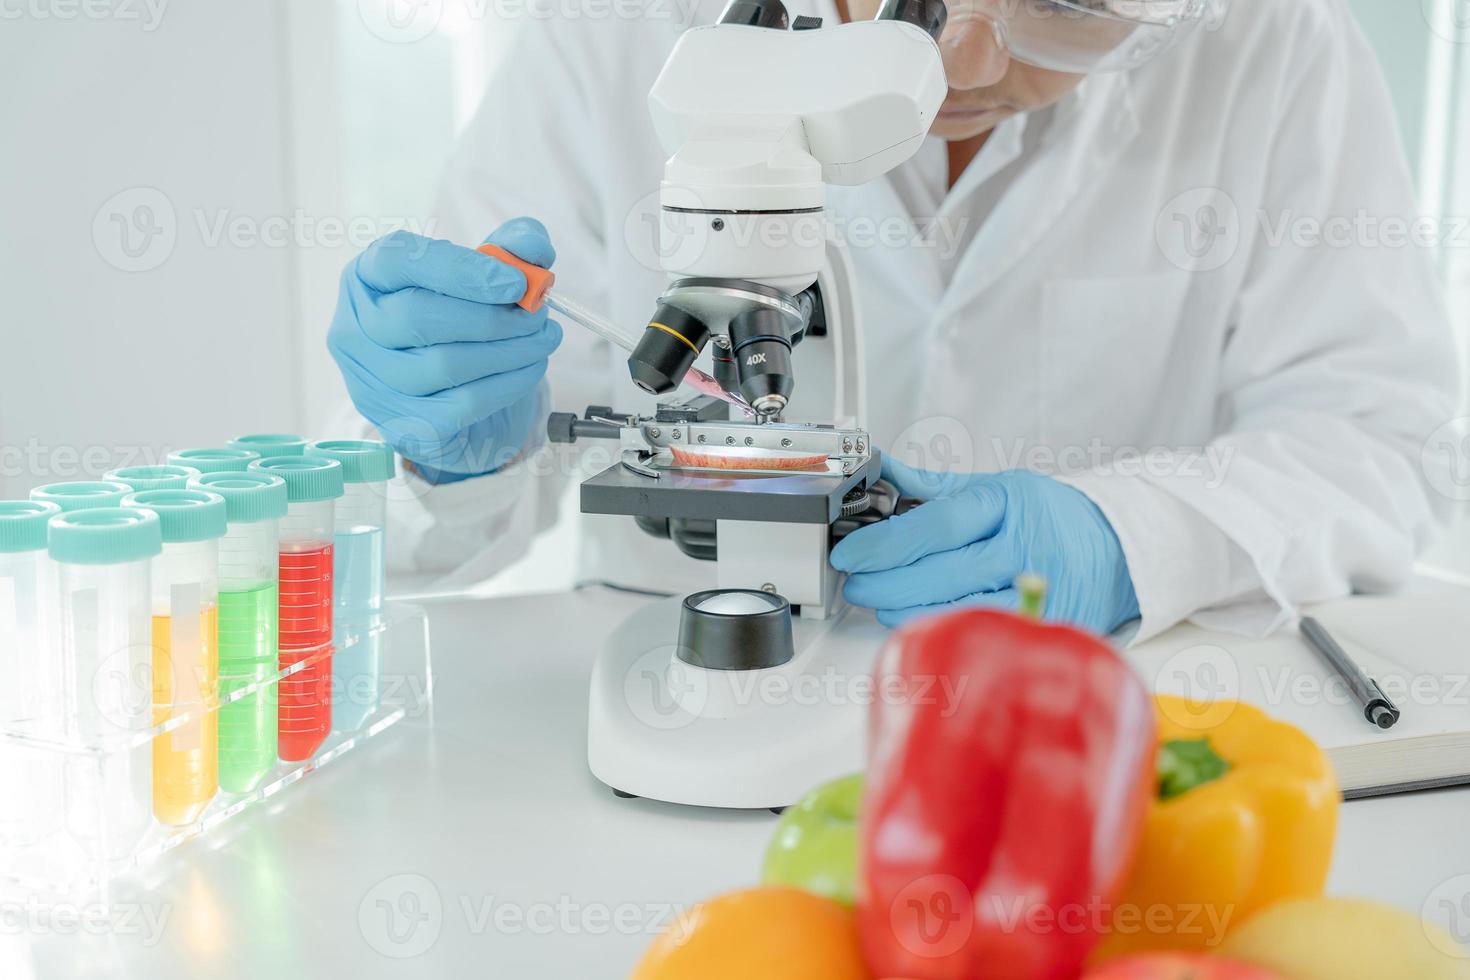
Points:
point(539, 284)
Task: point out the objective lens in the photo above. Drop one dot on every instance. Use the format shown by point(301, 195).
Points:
point(763, 359)
point(667, 349)
point(723, 358)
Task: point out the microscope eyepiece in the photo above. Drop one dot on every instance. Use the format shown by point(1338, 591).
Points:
point(756, 13)
point(931, 15)
point(667, 349)
point(762, 349)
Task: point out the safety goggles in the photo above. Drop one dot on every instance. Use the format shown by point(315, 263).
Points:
point(1084, 36)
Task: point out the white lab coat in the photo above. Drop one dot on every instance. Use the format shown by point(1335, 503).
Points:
point(1279, 392)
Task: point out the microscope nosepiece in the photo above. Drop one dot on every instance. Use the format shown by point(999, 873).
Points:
point(667, 349)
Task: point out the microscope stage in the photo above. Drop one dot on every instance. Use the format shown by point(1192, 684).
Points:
point(793, 497)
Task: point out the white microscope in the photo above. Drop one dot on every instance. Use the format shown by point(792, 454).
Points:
point(750, 695)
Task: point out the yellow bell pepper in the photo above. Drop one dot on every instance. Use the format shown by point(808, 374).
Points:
point(1245, 816)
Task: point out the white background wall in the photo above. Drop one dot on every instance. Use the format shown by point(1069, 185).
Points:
point(181, 187)
point(177, 181)
point(163, 127)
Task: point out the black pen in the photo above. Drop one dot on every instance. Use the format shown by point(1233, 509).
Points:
point(1377, 708)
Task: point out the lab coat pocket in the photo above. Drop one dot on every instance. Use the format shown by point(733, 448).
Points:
point(1110, 360)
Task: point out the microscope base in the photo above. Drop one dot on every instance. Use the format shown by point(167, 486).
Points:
point(755, 739)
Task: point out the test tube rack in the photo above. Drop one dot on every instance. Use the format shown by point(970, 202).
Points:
point(79, 859)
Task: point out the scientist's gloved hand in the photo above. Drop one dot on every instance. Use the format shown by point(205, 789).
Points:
point(437, 355)
point(977, 533)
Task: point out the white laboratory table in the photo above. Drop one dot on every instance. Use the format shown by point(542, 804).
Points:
point(477, 844)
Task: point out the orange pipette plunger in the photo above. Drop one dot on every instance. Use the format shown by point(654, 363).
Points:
point(538, 280)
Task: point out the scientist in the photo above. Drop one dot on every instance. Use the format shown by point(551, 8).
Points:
point(1107, 334)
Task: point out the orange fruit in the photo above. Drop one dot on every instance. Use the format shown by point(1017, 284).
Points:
point(773, 933)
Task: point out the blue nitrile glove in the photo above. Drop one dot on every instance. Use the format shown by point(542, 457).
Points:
point(437, 355)
point(977, 533)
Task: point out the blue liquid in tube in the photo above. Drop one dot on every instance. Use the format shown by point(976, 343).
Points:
point(358, 572)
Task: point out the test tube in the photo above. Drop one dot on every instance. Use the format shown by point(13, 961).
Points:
point(214, 460)
point(185, 591)
point(313, 486)
point(142, 478)
point(30, 677)
point(106, 654)
point(270, 444)
point(82, 494)
point(358, 575)
point(249, 623)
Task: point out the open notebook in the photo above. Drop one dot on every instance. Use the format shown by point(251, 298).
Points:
point(1416, 646)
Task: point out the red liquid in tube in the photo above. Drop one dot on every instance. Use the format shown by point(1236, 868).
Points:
point(305, 716)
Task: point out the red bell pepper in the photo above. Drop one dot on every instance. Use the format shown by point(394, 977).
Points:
point(1011, 764)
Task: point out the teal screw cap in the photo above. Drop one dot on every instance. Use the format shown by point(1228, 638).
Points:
point(82, 494)
point(214, 460)
point(142, 478)
point(249, 497)
point(270, 444)
point(184, 515)
point(363, 460)
point(23, 525)
point(105, 536)
point(308, 478)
